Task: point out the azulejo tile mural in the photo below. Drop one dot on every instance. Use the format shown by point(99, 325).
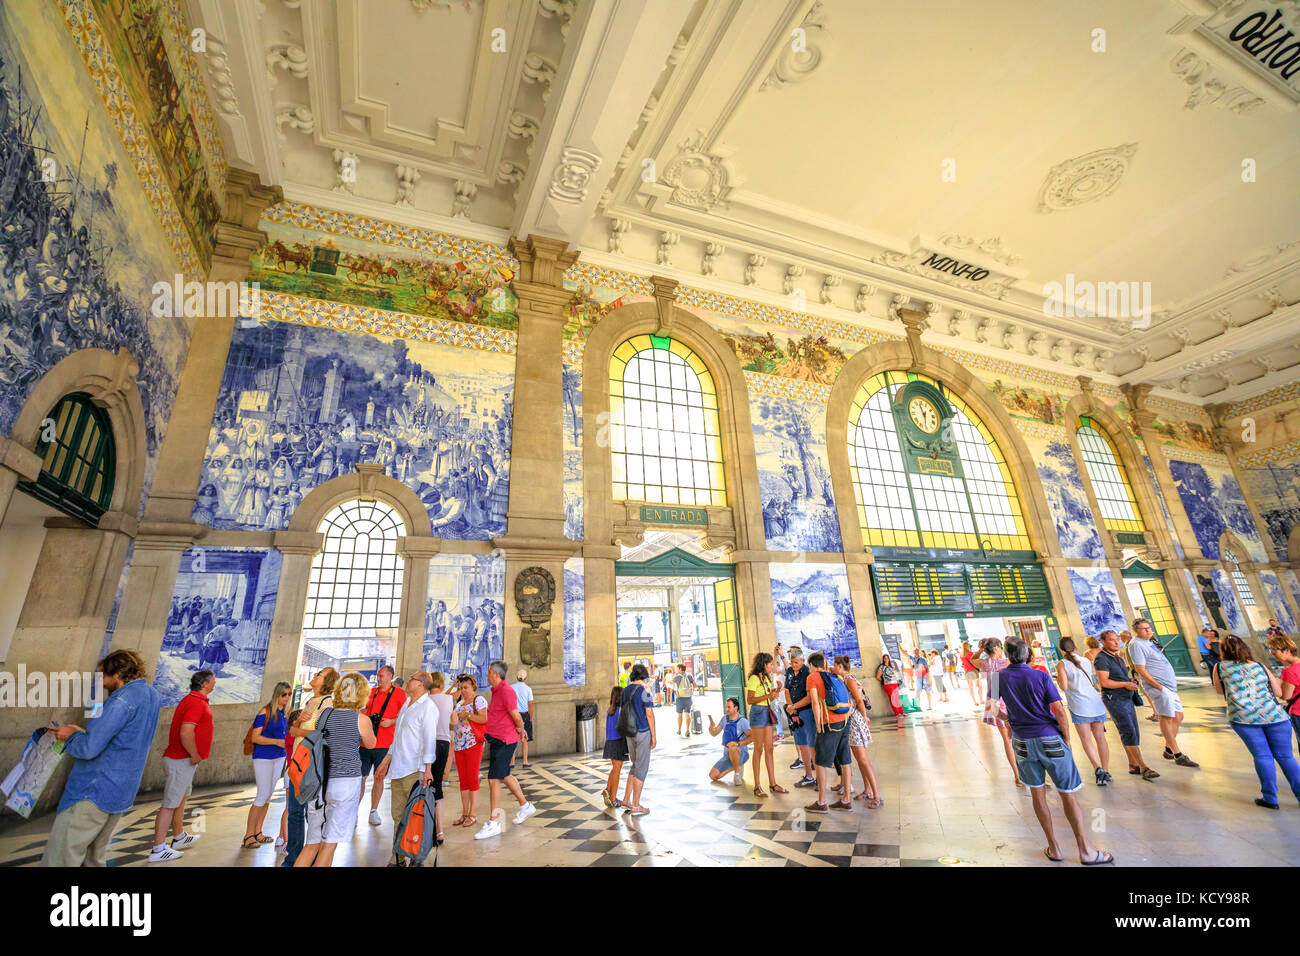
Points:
point(1275, 488)
point(1276, 601)
point(465, 614)
point(575, 623)
point(1214, 504)
point(1234, 618)
point(1164, 509)
point(219, 620)
point(300, 405)
point(1097, 599)
point(814, 610)
point(573, 490)
point(1028, 402)
point(1063, 487)
point(794, 475)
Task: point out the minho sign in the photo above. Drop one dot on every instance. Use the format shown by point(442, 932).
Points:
point(669, 514)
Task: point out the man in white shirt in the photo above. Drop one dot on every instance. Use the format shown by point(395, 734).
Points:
point(411, 758)
point(524, 697)
point(1155, 671)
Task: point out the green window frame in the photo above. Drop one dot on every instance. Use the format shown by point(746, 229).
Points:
point(79, 463)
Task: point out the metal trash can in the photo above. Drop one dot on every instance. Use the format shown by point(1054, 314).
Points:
point(586, 721)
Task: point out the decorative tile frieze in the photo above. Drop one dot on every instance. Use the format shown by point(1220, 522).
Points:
point(1256, 459)
point(1183, 453)
point(1274, 396)
point(778, 386)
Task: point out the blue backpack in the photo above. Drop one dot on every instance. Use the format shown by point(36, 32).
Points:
point(837, 695)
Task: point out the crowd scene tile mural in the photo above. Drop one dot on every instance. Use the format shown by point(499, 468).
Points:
point(575, 623)
point(573, 490)
point(1276, 601)
point(1097, 599)
point(1229, 604)
point(814, 610)
point(301, 405)
point(219, 620)
point(464, 629)
point(1214, 504)
point(1275, 489)
point(794, 475)
point(1062, 484)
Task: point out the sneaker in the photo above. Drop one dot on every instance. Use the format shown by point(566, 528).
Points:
point(816, 808)
point(736, 779)
point(1183, 760)
point(184, 840)
point(798, 764)
point(374, 818)
point(807, 782)
point(526, 811)
point(280, 842)
point(841, 805)
point(609, 801)
point(1100, 776)
point(1167, 754)
point(490, 829)
point(161, 854)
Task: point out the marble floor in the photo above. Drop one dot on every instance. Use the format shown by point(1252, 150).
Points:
point(949, 801)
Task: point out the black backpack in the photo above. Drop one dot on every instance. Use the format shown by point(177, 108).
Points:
point(627, 723)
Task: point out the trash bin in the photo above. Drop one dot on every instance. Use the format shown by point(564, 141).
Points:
point(586, 720)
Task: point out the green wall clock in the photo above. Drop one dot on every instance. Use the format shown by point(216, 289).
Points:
point(923, 418)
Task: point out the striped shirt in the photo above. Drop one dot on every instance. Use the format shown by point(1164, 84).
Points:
point(344, 742)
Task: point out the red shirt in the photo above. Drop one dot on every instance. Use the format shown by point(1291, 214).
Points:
point(193, 709)
point(815, 683)
point(499, 723)
point(384, 738)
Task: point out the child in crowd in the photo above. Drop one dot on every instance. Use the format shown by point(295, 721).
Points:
point(615, 749)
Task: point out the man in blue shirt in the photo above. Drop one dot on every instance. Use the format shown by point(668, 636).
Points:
point(1208, 644)
point(1040, 736)
point(735, 737)
point(109, 755)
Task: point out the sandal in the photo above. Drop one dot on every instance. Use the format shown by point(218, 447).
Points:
point(1054, 859)
point(459, 821)
point(777, 788)
point(1149, 774)
point(760, 792)
point(1135, 771)
point(250, 843)
point(875, 803)
point(1101, 859)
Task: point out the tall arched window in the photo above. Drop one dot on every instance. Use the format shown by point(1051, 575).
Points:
point(898, 509)
point(1239, 581)
point(1110, 484)
point(78, 460)
point(665, 443)
point(356, 580)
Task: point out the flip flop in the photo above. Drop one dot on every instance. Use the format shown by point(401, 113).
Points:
point(247, 845)
point(777, 788)
point(1102, 859)
point(1054, 859)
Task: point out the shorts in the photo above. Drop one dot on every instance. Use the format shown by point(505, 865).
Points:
point(805, 735)
point(467, 764)
point(500, 754)
point(724, 763)
point(759, 716)
point(528, 725)
point(180, 781)
point(833, 747)
point(923, 683)
point(335, 820)
point(1125, 716)
point(266, 772)
point(1085, 719)
point(371, 758)
point(399, 792)
point(683, 705)
point(1046, 755)
point(615, 749)
point(638, 752)
point(972, 676)
point(1166, 702)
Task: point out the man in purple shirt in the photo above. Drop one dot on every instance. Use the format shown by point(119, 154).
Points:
point(1040, 736)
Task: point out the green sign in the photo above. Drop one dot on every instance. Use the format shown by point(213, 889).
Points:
point(674, 514)
point(923, 419)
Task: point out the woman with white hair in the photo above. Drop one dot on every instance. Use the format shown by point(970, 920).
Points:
point(332, 815)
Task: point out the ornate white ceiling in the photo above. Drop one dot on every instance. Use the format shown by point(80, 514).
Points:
point(832, 155)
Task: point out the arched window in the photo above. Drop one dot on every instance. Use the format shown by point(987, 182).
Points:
point(78, 461)
point(1110, 484)
point(665, 443)
point(898, 509)
point(1239, 579)
point(356, 580)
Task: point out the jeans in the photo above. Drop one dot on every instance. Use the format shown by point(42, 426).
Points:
point(297, 829)
point(1268, 743)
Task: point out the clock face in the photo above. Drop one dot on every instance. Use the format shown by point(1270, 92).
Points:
point(924, 415)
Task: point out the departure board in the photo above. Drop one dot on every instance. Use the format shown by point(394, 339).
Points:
point(904, 589)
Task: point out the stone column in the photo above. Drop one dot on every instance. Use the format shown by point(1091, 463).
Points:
point(1137, 396)
point(600, 606)
point(858, 567)
point(535, 520)
point(17, 464)
point(416, 553)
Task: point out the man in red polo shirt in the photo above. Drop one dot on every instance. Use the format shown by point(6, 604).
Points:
point(386, 701)
point(188, 745)
point(504, 728)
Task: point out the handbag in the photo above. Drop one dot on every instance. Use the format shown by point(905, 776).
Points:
point(249, 746)
point(376, 718)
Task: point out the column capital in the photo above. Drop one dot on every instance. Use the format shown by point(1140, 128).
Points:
point(1085, 384)
point(1136, 395)
point(665, 292)
point(236, 237)
point(162, 535)
point(542, 260)
point(19, 459)
point(914, 323)
point(409, 547)
point(298, 542)
point(526, 548)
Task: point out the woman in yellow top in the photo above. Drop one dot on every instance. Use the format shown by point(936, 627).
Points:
point(760, 695)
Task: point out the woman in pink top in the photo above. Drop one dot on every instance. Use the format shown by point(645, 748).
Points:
point(990, 662)
point(1283, 650)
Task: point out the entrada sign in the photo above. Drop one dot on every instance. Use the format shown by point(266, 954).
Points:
point(667, 514)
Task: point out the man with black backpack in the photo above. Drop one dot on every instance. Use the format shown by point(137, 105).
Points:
point(830, 706)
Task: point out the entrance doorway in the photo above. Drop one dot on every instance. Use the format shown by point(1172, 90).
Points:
point(1150, 599)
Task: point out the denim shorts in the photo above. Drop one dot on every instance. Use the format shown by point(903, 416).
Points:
point(805, 735)
point(1085, 719)
point(683, 704)
point(724, 764)
point(1125, 716)
point(758, 716)
point(1046, 755)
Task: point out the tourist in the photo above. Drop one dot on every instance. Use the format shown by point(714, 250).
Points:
point(332, 814)
point(949, 657)
point(504, 728)
point(624, 677)
point(1040, 733)
point(921, 667)
point(797, 709)
point(1125, 640)
point(937, 673)
point(685, 686)
point(1077, 678)
point(859, 734)
point(441, 702)
point(909, 670)
point(1274, 629)
point(467, 746)
point(1208, 645)
point(829, 700)
point(1094, 647)
point(524, 695)
point(1120, 695)
point(108, 759)
point(887, 674)
point(1283, 650)
point(778, 704)
point(189, 741)
point(637, 698)
point(282, 841)
point(736, 733)
point(322, 688)
point(1038, 658)
point(972, 674)
point(1251, 691)
point(270, 727)
point(991, 664)
point(615, 749)
point(760, 693)
point(382, 708)
point(411, 755)
point(1150, 664)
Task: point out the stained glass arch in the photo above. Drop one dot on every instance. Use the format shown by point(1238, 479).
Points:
point(1108, 477)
